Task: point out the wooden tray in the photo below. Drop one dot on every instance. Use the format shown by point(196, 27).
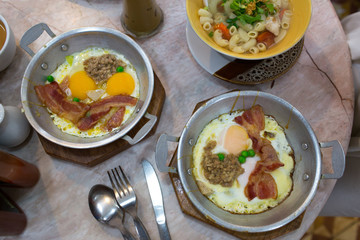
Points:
point(93, 156)
point(188, 208)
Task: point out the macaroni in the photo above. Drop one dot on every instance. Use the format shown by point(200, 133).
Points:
point(246, 26)
point(219, 40)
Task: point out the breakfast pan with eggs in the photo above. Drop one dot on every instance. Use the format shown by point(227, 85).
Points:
point(299, 134)
point(53, 54)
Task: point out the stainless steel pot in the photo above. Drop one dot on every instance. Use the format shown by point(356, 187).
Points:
point(53, 53)
point(301, 137)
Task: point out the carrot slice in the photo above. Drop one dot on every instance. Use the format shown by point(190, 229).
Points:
point(267, 38)
point(224, 30)
point(281, 14)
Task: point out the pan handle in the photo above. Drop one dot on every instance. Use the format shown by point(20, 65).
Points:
point(338, 159)
point(32, 34)
point(143, 131)
point(161, 153)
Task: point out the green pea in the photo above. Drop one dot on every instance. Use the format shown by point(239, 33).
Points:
point(251, 152)
point(242, 159)
point(245, 153)
point(211, 34)
point(70, 59)
point(75, 99)
point(221, 156)
point(50, 78)
point(120, 69)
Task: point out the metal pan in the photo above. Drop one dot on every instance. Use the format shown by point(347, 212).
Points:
point(53, 54)
point(307, 172)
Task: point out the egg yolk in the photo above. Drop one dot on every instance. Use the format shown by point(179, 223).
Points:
point(235, 139)
point(80, 83)
point(120, 83)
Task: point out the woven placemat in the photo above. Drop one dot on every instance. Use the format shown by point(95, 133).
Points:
point(260, 71)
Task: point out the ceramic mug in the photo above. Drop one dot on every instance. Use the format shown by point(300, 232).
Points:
point(7, 44)
point(14, 128)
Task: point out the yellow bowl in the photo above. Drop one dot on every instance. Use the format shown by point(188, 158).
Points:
point(298, 25)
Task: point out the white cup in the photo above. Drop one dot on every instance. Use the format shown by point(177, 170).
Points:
point(7, 52)
point(14, 127)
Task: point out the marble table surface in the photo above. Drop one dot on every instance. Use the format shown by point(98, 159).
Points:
point(320, 86)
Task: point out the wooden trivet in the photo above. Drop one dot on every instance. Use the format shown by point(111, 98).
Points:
point(93, 156)
point(188, 208)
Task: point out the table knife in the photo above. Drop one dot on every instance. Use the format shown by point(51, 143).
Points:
point(156, 199)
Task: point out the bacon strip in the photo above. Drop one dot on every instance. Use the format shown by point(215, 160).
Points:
point(92, 117)
point(54, 98)
point(254, 122)
point(100, 108)
point(269, 159)
point(261, 184)
point(64, 85)
point(116, 119)
point(252, 119)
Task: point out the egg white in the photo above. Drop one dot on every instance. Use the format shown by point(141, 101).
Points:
point(216, 131)
point(233, 199)
point(73, 64)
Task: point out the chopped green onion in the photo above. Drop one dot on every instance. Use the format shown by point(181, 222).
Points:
point(211, 34)
point(242, 159)
point(232, 22)
point(70, 59)
point(260, 10)
point(235, 5)
point(50, 78)
point(120, 69)
point(75, 99)
point(270, 6)
point(206, 8)
point(239, 8)
point(221, 156)
point(245, 153)
point(249, 19)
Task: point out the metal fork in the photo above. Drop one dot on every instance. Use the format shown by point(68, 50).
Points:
point(126, 198)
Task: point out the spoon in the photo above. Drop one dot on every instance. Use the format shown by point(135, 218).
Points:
point(105, 209)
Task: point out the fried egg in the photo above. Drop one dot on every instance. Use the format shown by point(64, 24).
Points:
point(84, 88)
point(233, 138)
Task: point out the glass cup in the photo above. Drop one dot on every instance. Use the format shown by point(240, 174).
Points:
point(15, 172)
point(7, 44)
point(141, 18)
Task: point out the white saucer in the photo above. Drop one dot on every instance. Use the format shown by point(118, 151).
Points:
point(205, 56)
